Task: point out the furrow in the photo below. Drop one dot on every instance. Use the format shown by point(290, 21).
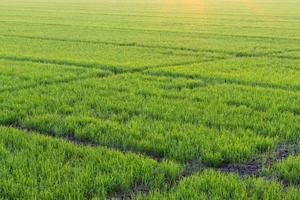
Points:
point(211, 80)
point(74, 140)
point(103, 42)
point(48, 83)
point(136, 45)
point(113, 69)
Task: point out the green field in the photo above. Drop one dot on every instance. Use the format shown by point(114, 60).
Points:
point(150, 99)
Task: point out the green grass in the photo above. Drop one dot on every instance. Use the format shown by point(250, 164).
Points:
point(261, 72)
point(214, 185)
point(184, 85)
point(147, 114)
point(286, 170)
point(93, 55)
point(39, 167)
point(18, 75)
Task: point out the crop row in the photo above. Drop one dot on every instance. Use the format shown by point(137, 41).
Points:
point(287, 170)
point(215, 185)
point(122, 40)
point(262, 72)
point(38, 167)
point(155, 18)
point(146, 36)
point(104, 56)
point(16, 75)
point(174, 118)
